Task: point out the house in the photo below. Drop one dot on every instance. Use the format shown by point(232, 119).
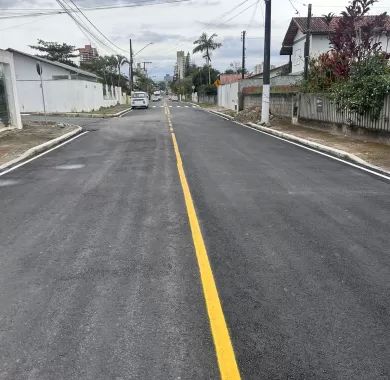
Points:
point(294, 40)
point(65, 88)
point(9, 104)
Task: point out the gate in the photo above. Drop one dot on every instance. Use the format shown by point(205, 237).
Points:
point(4, 114)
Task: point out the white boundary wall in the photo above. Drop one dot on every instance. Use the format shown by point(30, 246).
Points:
point(65, 96)
point(228, 96)
point(6, 58)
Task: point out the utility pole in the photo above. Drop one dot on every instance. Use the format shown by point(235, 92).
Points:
point(145, 69)
point(267, 63)
point(243, 55)
point(131, 75)
point(307, 43)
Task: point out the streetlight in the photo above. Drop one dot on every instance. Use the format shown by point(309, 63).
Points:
point(139, 51)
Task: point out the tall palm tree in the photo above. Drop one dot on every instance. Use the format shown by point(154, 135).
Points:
point(206, 45)
point(120, 60)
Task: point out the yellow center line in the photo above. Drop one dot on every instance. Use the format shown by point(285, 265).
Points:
point(223, 346)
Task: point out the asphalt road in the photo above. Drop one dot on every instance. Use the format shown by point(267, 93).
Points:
point(99, 279)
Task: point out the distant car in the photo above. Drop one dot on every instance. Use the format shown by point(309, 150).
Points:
point(140, 100)
point(155, 98)
point(174, 98)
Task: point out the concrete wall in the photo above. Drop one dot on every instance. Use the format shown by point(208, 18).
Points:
point(280, 104)
point(64, 96)
point(228, 96)
point(6, 59)
point(207, 99)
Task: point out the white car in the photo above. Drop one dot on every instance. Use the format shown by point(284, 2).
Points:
point(140, 100)
point(175, 98)
point(155, 98)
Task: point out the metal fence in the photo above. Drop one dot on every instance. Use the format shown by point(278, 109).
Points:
point(320, 108)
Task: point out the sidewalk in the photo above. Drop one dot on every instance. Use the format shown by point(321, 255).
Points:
point(15, 142)
point(365, 148)
point(103, 112)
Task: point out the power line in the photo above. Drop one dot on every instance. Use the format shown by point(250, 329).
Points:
point(48, 11)
point(238, 14)
point(293, 6)
point(86, 31)
point(95, 27)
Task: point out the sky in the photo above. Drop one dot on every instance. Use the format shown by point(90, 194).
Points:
point(170, 27)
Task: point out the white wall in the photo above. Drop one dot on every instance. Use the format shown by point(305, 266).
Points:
point(6, 59)
point(228, 96)
point(298, 55)
point(25, 69)
point(64, 96)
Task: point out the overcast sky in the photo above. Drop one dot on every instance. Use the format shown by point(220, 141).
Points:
point(170, 27)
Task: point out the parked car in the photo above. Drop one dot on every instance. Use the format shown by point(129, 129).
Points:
point(175, 98)
point(140, 100)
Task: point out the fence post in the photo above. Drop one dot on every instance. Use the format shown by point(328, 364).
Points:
point(295, 108)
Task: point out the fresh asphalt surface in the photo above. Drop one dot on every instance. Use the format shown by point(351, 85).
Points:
point(99, 280)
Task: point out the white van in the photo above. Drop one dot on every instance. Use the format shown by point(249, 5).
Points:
point(140, 100)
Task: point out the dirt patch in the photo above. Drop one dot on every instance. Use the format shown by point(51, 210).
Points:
point(15, 142)
point(373, 152)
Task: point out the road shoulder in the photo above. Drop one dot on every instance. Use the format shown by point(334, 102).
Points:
point(368, 153)
point(19, 145)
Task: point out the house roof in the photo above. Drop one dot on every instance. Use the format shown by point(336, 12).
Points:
point(318, 26)
point(72, 69)
point(230, 78)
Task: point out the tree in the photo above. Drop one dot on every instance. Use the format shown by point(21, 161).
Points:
point(106, 68)
point(120, 61)
point(202, 75)
point(206, 45)
point(354, 39)
point(56, 52)
point(143, 83)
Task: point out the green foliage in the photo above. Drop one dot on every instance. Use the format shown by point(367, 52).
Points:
point(56, 52)
point(354, 72)
point(208, 89)
point(107, 68)
point(143, 82)
point(365, 90)
point(200, 76)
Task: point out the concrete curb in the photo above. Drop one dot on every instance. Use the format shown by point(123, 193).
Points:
point(40, 148)
point(89, 115)
point(220, 114)
point(323, 148)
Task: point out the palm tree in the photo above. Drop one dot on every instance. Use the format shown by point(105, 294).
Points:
point(120, 60)
point(206, 45)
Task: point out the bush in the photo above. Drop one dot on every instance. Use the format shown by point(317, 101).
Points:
point(208, 90)
point(365, 90)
